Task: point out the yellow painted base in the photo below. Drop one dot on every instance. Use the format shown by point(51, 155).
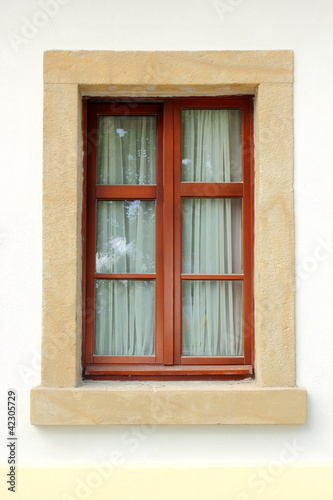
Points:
point(276, 481)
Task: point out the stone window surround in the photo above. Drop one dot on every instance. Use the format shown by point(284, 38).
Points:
point(272, 398)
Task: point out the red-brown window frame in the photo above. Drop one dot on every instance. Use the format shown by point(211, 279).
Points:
point(167, 363)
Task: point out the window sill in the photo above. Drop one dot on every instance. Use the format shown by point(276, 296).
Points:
point(171, 403)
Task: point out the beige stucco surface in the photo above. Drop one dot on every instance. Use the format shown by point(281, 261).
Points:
point(168, 68)
point(274, 236)
point(62, 188)
point(268, 75)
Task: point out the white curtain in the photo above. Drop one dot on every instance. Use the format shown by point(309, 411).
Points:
point(211, 235)
point(126, 150)
point(211, 145)
point(125, 236)
point(125, 317)
point(212, 312)
point(125, 309)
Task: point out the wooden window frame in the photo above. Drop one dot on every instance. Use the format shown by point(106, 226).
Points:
point(168, 362)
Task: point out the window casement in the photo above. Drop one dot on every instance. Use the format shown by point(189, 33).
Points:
point(168, 238)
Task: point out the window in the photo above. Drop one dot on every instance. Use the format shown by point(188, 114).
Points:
point(272, 397)
point(168, 239)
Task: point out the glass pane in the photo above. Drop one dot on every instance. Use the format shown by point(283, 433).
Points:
point(126, 150)
point(212, 145)
point(212, 235)
point(212, 318)
point(125, 236)
point(125, 318)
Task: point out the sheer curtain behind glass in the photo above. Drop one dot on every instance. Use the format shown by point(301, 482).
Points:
point(211, 237)
point(125, 239)
point(126, 150)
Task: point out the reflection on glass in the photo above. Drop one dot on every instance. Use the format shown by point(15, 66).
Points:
point(126, 150)
point(211, 145)
point(212, 318)
point(125, 236)
point(211, 235)
point(124, 317)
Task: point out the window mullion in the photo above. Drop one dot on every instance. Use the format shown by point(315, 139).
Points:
point(178, 233)
point(248, 235)
point(168, 232)
point(89, 228)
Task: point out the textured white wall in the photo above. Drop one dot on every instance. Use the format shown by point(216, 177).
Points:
point(28, 28)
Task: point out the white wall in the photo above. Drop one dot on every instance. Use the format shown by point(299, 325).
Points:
point(304, 26)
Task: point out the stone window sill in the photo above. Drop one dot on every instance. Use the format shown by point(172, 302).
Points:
point(96, 403)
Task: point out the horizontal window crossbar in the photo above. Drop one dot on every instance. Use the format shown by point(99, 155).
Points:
point(123, 360)
point(124, 276)
point(211, 189)
point(212, 360)
point(125, 192)
point(213, 277)
point(160, 370)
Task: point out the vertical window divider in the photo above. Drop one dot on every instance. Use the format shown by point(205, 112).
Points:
point(159, 271)
point(178, 231)
point(248, 236)
point(168, 232)
point(90, 233)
